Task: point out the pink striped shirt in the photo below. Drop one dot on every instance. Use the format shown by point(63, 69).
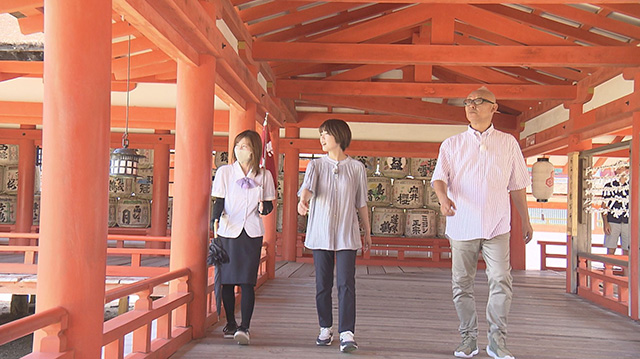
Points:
point(480, 169)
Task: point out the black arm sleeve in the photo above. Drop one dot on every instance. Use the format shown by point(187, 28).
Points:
point(218, 207)
point(267, 207)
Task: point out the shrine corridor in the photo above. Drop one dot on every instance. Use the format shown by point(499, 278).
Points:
point(406, 312)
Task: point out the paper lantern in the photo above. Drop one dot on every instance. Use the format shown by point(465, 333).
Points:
point(542, 180)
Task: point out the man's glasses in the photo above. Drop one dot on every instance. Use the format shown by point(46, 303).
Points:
point(476, 101)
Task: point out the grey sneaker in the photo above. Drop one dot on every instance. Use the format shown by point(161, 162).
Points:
point(325, 337)
point(468, 348)
point(497, 349)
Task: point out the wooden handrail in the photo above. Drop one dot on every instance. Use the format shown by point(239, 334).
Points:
point(145, 284)
point(27, 325)
point(604, 258)
point(128, 237)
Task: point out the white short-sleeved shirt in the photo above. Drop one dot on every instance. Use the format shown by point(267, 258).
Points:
point(241, 205)
point(480, 169)
point(339, 189)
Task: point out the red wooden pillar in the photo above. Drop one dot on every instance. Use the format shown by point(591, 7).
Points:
point(634, 206)
point(26, 182)
point(75, 136)
point(576, 238)
point(192, 187)
point(290, 197)
point(270, 220)
point(239, 121)
point(160, 203)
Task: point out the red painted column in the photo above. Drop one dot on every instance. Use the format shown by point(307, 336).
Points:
point(290, 196)
point(26, 182)
point(634, 206)
point(240, 120)
point(192, 187)
point(270, 220)
point(75, 138)
point(160, 202)
point(574, 242)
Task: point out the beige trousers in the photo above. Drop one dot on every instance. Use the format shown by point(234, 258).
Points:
point(495, 252)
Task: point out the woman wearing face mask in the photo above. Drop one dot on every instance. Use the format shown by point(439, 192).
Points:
point(243, 192)
point(334, 193)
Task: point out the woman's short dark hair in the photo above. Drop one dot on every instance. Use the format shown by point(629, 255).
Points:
point(256, 148)
point(338, 129)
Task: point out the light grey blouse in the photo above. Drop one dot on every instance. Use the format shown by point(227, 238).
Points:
point(339, 188)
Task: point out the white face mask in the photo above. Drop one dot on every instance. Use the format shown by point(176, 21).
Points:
point(243, 156)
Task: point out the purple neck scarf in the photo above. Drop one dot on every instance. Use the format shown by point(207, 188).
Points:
point(246, 183)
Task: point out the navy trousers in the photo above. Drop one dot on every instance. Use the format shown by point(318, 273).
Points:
point(345, 263)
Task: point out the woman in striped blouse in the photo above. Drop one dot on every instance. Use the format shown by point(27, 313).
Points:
point(333, 194)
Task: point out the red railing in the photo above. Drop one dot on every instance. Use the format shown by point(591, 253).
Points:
point(53, 322)
point(418, 252)
point(169, 313)
point(545, 254)
point(601, 286)
point(122, 260)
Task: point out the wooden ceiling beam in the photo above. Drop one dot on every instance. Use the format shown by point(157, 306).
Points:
point(268, 9)
point(473, 35)
point(406, 107)
point(491, 1)
point(612, 117)
point(486, 75)
point(585, 86)
point(298, 69)
point(22, 67)
point(379, 26)
point(589, 19)
point(294, 88)
point(227, 12)
point(566, 30)
point(569, 74)
point(6, 77)
point(13, 112)
point(31, 24)
point(138, 44)
point(627, 9)
point(150, 70)
point(505, 26)
point(119, 65)
point(298, 17)
point(342, 19)
point(155, 26)
point(315, 119)
point(9, 6)
point(532, 75)
point(542, 56)
point(361, 73)
point(191, 24)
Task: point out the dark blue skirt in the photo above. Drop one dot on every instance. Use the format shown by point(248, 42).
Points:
point(244, 259)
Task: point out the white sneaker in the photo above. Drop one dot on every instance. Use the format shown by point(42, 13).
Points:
point(325, 337)
point(242, 336)
point(347, 342)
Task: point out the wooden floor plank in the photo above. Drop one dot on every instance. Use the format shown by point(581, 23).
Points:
point(392, 269)
point(375, 270)
point(411, 315)
point(286, 270)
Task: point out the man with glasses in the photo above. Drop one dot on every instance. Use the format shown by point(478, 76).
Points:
point(477, 172)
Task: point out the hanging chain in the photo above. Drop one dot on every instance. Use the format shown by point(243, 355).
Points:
point(125, 136)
